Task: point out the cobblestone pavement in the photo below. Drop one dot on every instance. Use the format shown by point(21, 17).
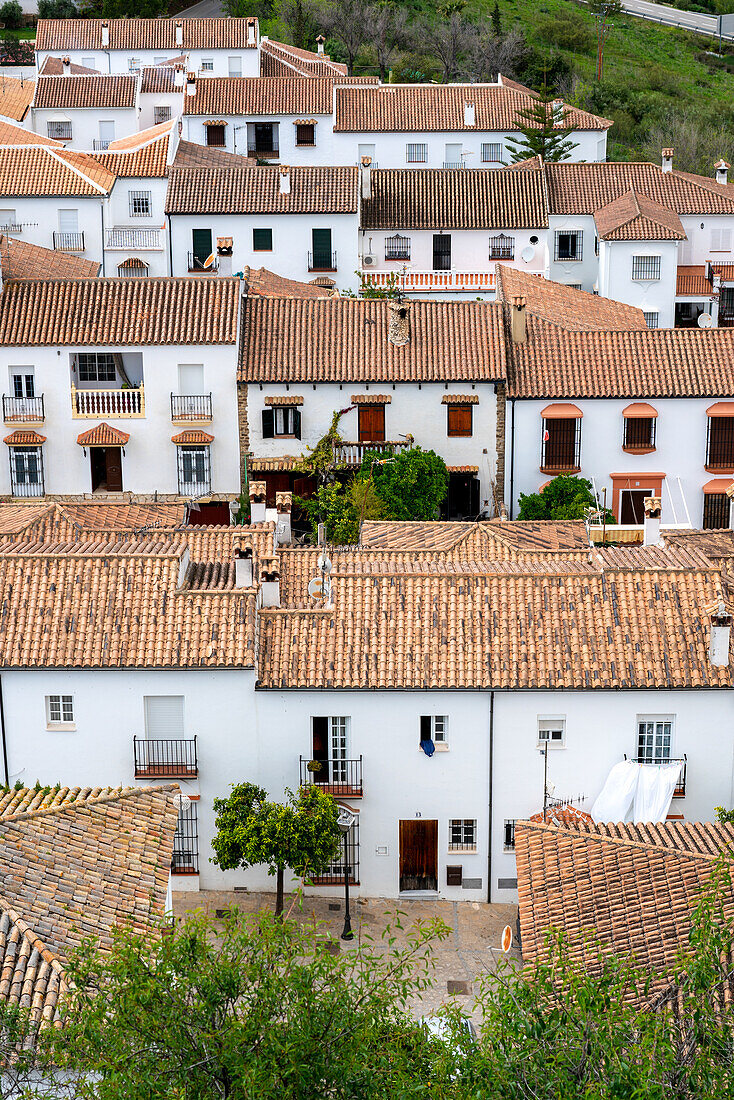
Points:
point(472, 947)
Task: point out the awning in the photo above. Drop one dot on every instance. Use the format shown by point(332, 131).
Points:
point(305, 122)
point(721, 408)
point(104, 435)
point(286, 399)
point(192, 435)
point(216, 122)
point(718, 485)
point(24, 439)
point(640, 410)
point(460, 399)
point(561, 412)
point(370, 398)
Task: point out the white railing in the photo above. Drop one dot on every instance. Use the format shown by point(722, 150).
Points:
point(351, 454)
point(126, 239)
point(114, 403)
point(432, 280)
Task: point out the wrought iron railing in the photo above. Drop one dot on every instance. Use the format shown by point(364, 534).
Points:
point(561, 446)
point(100, 144)
point(125, 239)
point(69, 242)
point(262, 151)
point(342, 778)
point(680, 790)
point(333, 874)
point(185, 858)
point(23, 409)
point(114, 403)
point(161, 114)
point(191, 406)
point(161, 759)
point(196, 263)
point(322, 261)
point(720, 443)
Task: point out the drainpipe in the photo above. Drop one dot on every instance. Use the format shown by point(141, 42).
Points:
point(101, 218)
point(512, 458)
point(170, 246)
point(2, 736)
point(491, 768)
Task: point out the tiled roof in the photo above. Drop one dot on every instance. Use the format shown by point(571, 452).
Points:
point(24, 437)
point(260, 95)
point(54, 66)
point(562, 305)
point(16, 135)
point(412, 535)
point(705, 837)
point(692, 280)
point(634, 217)
point(346, 340)
point(190, 154)
point(117, 90)
point(160, 79)
point(20, 800)
point(280, 59)
point(442, 198)
point(420, 107)
point(636, 896)
point(717, 545)
point(261, 283)
point(529, 623)
point(16, 97)
point(192, 435)
point(147, 158)
point(332, 190)
point(119, 311)
point(61, 521)
point(55, 35)
point(540, 536)
point(23, 260)
point(585, 188)
point(40, 170)
point(103, 435)
point(557, 363)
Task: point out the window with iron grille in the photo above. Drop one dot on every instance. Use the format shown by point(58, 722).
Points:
point(569, 245)
point(132, 270)
point(194, 469)
point(715, 511)
point(652, 319)
point(141, 204)
point(491, 152)
point(502, 247)
point(654, 738)
point(333, 873)
point(185, 860)
point(26, 471)
point(720, 443)
point(305, 133)
point(215, 136)
point(161, 114)
point(59, 710)
point(397, 248)
point(509, 834)
point(561, 448)
point(133, 64)
point(207, 65)
point(639, 432)
point(96, 366)
point(645, 268)
point(462, 835)
point(416, 154)
point(61, 131)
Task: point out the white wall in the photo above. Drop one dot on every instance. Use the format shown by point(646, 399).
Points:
point(584, 272)
point(651, 296)
point(39, 217)
point(469, 249)
point(118, 249)
point(116, 61)
point(150, 100)
point(235, 136)
point(702, 231)
point(85, 123)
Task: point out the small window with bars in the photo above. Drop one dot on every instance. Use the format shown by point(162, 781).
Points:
point(215, 136)
point(140, 204)
point(416, 154)
point(305, 133)
point(96, 366)
point(132, 269)
point(161, 114)
point(639, 433)
point(720, 443)
point(509, 834)
point(194, 470)
point(715, 511)
point(645, 269)
point(502, 247)
point(60, 131)
point(59, 710)
point(569, 245)
point(652, 320)
point(552, 731)
point(491, 152)
point(26, 471)
point(185, 859)
point(462, 834)
point(333, 873)
point(397, 248)
point(561, 446)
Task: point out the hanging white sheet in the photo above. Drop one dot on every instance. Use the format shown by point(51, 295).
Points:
point(654, 792)
point(617, 795)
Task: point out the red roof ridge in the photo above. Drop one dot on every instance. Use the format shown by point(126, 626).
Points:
point(618, 841)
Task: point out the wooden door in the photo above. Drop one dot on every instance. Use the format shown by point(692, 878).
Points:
point(633, 505)
point(418, 855)
point(371, 423)
point(320, 747)
point(113, 461)
point(98, 465)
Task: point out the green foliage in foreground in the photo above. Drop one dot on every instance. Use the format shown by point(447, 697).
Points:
point(565, 497)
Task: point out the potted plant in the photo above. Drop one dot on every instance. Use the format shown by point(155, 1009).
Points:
point(314, 766)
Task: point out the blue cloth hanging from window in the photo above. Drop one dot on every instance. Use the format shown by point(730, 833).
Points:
point(428, 747)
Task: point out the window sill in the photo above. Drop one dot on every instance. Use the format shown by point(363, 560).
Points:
point(558, 470)
point(550, 745)
point(397, 259)
point(305, 145)
point(61, 726)
point(569, 260)
point(726, 470)
point(638, 450)
point(463, 850)
point(459, 435)
point(438, 746)
point(288, 436)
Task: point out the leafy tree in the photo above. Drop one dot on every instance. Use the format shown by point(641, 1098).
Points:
point(411, 485)
point(342, 508)
point(389, 34)
point(494, 54)
point(450, 39)
point(725, 817)
point(301, 19)
point(11, 14)
point(57, 9)
point(542, 129)
point(565, 497)
point(301, 834)
point(349, 21)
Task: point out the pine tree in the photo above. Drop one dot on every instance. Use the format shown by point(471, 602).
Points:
point(496, 24)
point(543, 131)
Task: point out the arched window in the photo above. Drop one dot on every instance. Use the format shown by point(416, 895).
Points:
point(132, 268)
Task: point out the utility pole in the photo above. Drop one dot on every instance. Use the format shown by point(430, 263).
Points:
point(603, 9)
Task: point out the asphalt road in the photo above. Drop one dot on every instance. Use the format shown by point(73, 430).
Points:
point(661, 13)
point(205, 9)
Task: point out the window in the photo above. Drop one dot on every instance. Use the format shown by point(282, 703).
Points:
point(185, 859)
point(645, 268)
point(654, 738)
point(569, 245)
point(194, 470)
point(720, 443)
point(459, 420)
point(26, 471)
point(561, 448)
point(434, 727)
point(215, 135)
point(651, 319)
point(161, 113)
point(61, 131)
point(333, 873)
point(462, 835)
point(133, 64)
point(639, 433)
point(96, 366)
point(509, 834)
point(502, 247)
point(22, 382)
point(371, 423)
point(551, 730)
point(91, 62)
point(59, 710)
point(416, 154)
point(207, 65)
point(9, 221)
point(305, 133)
point(281, 420)
point(262, 240)
point(397, 248)
point(234, 66)
point(164, 716)
point(140, 204)
point(106, 134)
point(491, 152)
point(715, 511)
point(132, 269)
point(721, 240)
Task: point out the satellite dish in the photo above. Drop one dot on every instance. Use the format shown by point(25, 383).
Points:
point(527, 253)
point(506, 940)
point(319, 588)
point(705, 320)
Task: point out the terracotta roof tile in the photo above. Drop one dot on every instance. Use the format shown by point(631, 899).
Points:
point(119, 311)
point(259, 95)
point(22, 260)
point(148, 158)
point(103, 435)
point(26, 438)
point(41, 170)
point(261, 283)
point(257, 191)
point(54, 66)
point(56, 35)
point(634, 217)
point(16, 135)
point(161, 79)
point(118, 90)
point(564, 306)
point(586, 188)
point(460, 399)
point(192, 435)
point(60, 521)
point(280, 59)
point(191, 155)
point(16, 97)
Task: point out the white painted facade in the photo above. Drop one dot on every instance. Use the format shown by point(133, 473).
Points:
point(126, 61)
point(89, 125)
point(620, 261)
point(235, 136)
point(151, 101)
point(43, 218)
point(128, 234)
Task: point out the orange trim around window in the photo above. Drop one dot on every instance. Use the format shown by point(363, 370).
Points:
point(640, 410)
point(721, 408)
point(561, 412)
point(717, 485)
point(652, 482)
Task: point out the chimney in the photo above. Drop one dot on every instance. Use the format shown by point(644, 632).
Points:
point(66, 66)
point(178, 77)
point(470, 114)
point(720, 635)
point(250, 34)
point(366, 174)
point(398, 324)
point(518, 320)
point(179, 33)
point(320, 44)
point(667, 162)
point(257, 502)
point(183, 565)
point(283, 505)
point(722, 171)
point(243, 565)
point(105, 34)
point(285, 179)
point(191, 84)
point(651, 529)
point(270, 583)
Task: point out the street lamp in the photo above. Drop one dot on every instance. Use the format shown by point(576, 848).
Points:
point(345, 820)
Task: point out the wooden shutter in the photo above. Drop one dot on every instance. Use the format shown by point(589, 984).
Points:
point(164, 716)
point(268, 423)
point(425, 727)
point(297, 423)
point(371, 423)
point(459, 420)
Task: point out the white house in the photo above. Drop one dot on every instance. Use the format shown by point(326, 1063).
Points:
point(86, 112)
point(161, 93)
point(120, 385)
point(218, 47)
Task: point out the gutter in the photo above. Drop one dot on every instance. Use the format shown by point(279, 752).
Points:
point(170, 246)
point(101, 218)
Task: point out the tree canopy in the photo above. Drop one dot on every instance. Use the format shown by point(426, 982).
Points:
point(542, 129)
point(565, 497)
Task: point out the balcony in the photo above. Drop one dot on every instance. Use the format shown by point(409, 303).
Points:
point(197, 266)
point(174, 759)
point(680, 790)
point(127, 240)
point(341, 778)
point(322, 261)
point(271, 152)
point(100, 144)
point(23, 410)
point(68, 242)
point(436, 282)
point(98, 404)
point(191, 408)
point(453, 164)
point(351, 454)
